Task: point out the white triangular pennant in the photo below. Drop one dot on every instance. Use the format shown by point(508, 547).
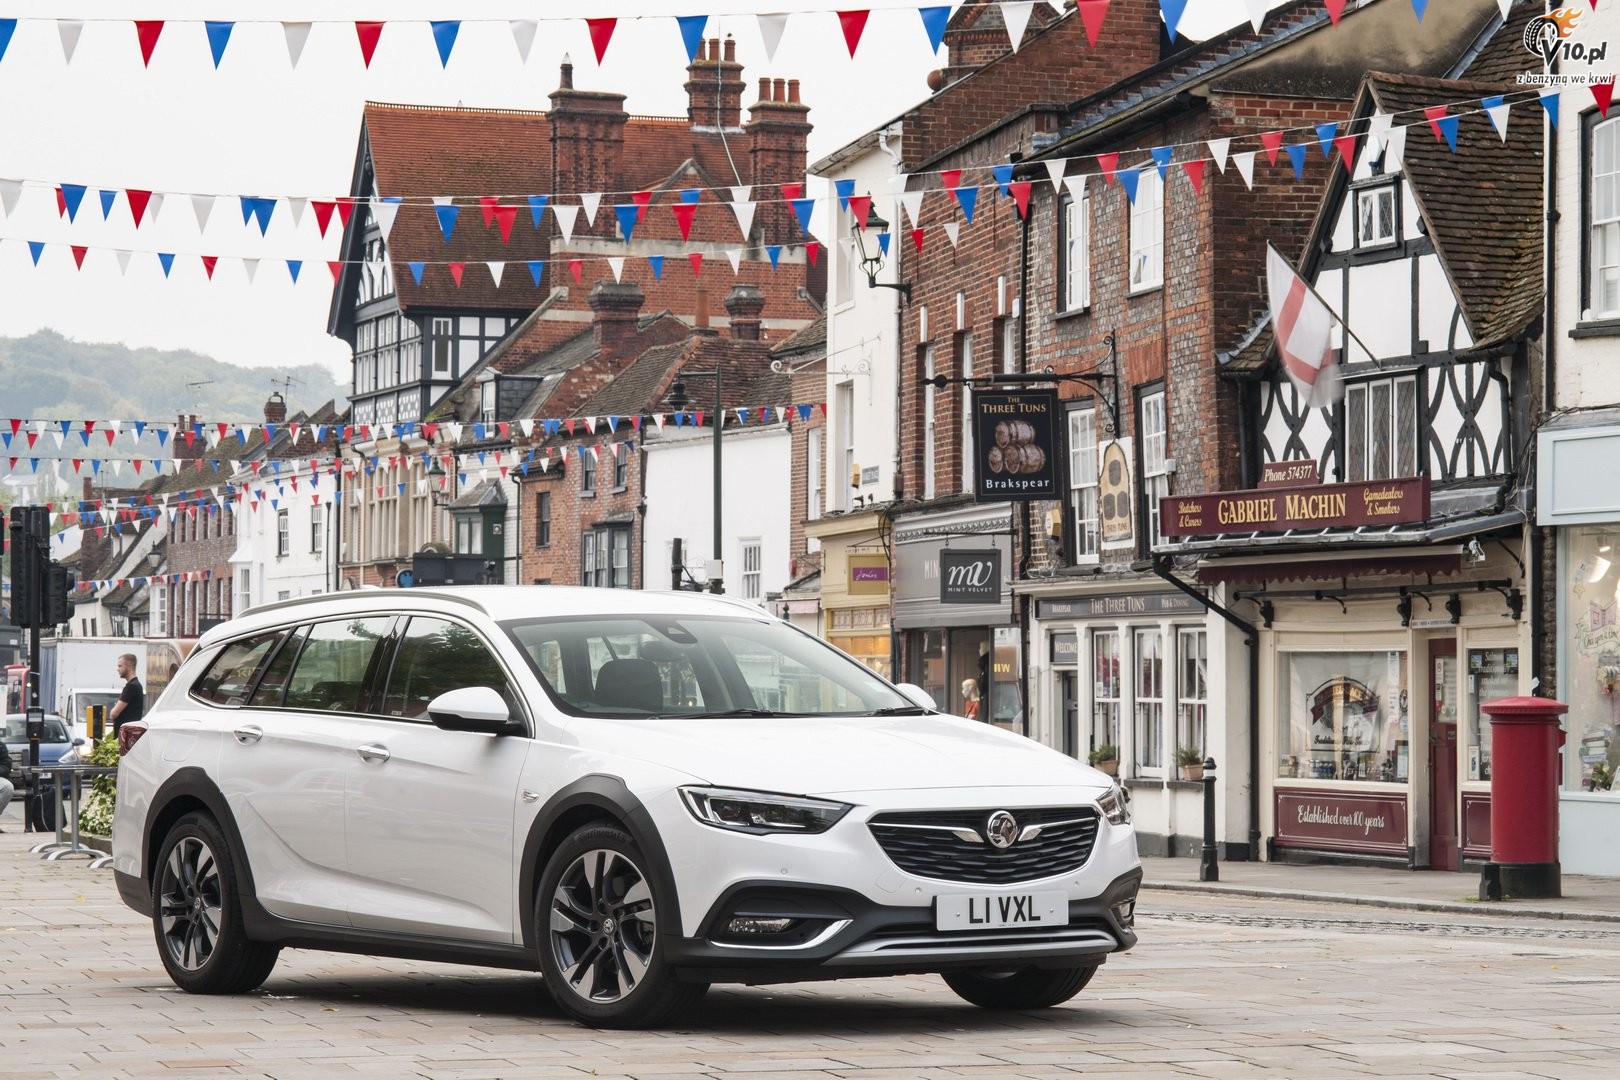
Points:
point(1503, 6)
point(10, 190)
point(153, 205)
point(496, 269)
point(953, 229)
point(591, 201)
point(616, 264)
point(523, 34)
point(1218, 149)
point(297, 33)
point(1054, 172)
point(251, 266)
point(567, 214)
point(1077, 186)
point(1378, 131)
point(1015, 14)
point(123, 261)
point(1257, 12)
point(734, 257)
point(203, 207)
point(770, 29)
point(383, 213)
point(296, 205)
point(745, 217)
point(742, 194)
point(1499, 118)
point(1245, 167)
point(70, 29)
point(527, 427)
point(1394, 149)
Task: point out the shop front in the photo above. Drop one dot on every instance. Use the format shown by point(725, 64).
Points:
point(1577, 497)
point(957, 634)
point(854, 583)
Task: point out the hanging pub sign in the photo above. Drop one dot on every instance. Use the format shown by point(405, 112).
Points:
point(1016, 445)
point(970, 576)
point(1114, 495)
point(1275, 510)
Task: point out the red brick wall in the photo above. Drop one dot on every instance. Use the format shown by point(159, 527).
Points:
point(573, 512)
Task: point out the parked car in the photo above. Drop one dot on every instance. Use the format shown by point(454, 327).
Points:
point(54, 741)
point(637, 794)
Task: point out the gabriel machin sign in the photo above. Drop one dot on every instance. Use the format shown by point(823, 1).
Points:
point(1015, 445)
point(1278, 509)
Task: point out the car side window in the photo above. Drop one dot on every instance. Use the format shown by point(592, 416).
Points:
point(330, 672)
point(273, 683)
point(229, 677)
point(436, 656)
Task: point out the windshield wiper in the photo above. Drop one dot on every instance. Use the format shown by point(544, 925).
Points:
point(902, 710)
point(727, 712)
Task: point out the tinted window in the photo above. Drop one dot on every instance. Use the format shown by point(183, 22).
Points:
point(330, 671)
point(228, 678)
point(435, 657)
point(16, 730)
point(274, 680)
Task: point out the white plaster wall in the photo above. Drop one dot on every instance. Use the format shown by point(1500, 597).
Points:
point(300, 572)
point(862, 339)
point(1586, 375)
point(756, 501)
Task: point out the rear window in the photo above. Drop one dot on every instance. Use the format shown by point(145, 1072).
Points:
point(231, 675)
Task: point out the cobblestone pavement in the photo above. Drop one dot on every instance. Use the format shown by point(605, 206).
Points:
point(1224, 987)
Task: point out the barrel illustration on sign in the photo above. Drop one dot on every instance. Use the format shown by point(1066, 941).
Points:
point(1016, 436)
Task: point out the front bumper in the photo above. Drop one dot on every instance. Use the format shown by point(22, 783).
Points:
point(848, 935)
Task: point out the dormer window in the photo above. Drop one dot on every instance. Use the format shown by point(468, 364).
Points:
point(487, 409)
point(1375, 216)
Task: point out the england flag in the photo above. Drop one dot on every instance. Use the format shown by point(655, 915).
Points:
point(1303, 326)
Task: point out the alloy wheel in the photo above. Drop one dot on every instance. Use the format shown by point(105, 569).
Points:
point(602, 926)
point(189, 903)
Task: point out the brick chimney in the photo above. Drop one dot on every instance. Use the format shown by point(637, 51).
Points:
point(275, 409)
point(743, 304)
point(615, 307)
point(587, 139)
point(177, 443)
point(976, 36)
point(714, 87)
point(779, 132)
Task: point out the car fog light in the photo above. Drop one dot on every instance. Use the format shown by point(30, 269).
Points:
point(759, 926)
point(1125, 911)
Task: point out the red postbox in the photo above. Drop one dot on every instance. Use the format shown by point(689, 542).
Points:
point(1525, 740)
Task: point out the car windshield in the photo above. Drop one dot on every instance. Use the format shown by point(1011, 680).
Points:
point(664, 666)
point(17, 730)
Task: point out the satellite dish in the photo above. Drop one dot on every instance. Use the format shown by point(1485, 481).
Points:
point(405, 579)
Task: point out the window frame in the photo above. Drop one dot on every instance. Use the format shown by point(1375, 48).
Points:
point(1074, 216)
point(621, 466)
point(1145, 761)
point(317, 530)
point(283, 533)
point(1147, 182)
point(587, 473)
point(751, 579)
point(1079, 552)
point(1592, 123)
point(1152, 458)
point(542, 519)
point(1373, 189)
point(1197, 719)
point(1363, 389)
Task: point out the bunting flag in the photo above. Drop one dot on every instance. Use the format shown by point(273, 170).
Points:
point(1129, 179)
point(296, 34)
point(853, 24)
point(1495, 107)
point(1161, 156)
point(9, 27)
point(1549, 104)
point(590, 202)
point(601, 33)
point(368, 34)
point(1015, 17)
point(69, 30)
point(523, 31)
point(147, 31)
point(1195, 174)
point(1346, 145)
point(1245, 167)
point(1296, 157)
point(443, 208)
point(1335, 10)
point(770, 32)
point(1171, 11)
point(219, 36)
point(1218, 149)
point(684, 213)
point(444, 38)
point(691, 27)
point(1602, 94)
point(1092, 13)
point(1272, 142)
point(1109, 164)
point(1324, 137)
point(934, 20)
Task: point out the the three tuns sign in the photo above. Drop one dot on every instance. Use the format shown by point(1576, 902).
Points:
point(1016, 445)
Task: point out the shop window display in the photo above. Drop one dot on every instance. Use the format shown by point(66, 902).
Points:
point(1493, 674)
point(1106, 691)
point(1591, 656)
point(1345, 717)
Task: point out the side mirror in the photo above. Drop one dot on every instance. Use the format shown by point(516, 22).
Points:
point(917, 696)
point(78, 740)
point(473, 708)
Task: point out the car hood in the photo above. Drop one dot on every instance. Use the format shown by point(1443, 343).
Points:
point(847, 755)
point(49, 753)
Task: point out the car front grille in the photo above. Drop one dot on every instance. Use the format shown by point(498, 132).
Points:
point(935, 844)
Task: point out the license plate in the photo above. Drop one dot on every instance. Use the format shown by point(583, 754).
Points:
point(1001, 912)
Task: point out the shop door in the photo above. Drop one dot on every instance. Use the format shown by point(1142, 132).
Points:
point(1443, 756)
point(1068, 711)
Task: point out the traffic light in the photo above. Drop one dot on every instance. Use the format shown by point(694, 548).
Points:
point(59, 584)
point(25, 565)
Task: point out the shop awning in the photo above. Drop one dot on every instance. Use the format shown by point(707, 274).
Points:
point(1334, 568)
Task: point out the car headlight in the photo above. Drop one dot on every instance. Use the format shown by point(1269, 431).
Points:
point(761, 813)
point(1112, 804)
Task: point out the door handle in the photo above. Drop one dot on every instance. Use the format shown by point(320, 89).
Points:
point(373, 752)
point(248, 733)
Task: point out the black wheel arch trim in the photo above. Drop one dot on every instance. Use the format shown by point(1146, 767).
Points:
point(193, 784)
point(610, 798)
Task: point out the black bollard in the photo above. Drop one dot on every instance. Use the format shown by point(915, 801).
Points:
point(1207, 868)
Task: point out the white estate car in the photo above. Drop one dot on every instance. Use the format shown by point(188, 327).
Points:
point(637, 794)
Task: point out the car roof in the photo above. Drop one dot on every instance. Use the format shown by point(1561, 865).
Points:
point(499, 602)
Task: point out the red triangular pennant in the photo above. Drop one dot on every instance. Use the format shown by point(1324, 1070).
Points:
point(1346, 145)
point(1092, 13)
point(1272, 141)
point(812, 250)
point(456, 270)
point(1020, 194)
point(576, 267)
point(78, 255)
point(1335, 9)
point(1602, 92)
point(506, 217)
point(792, 191)
point(323, 213)
point(684, 213)
point(1195, 173)
point(917, 238)
point(854, 23)
point(860, 208)
point(641, 199)
point(487, 204)
point(601, 34)
point(1109, 164)
point(336, 266)
point(148, 30)
point(368, 33)
point(137, 203)
point(1435, 114)
point(696, 259)
point(209, 262)
point(950, 178)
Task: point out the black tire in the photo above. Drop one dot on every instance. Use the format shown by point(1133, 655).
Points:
point(1027, 988)
point(596, 923)
point(197, 913)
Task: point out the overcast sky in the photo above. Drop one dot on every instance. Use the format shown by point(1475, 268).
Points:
point(258, 127)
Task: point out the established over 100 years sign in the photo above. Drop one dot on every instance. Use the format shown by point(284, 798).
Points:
point(1378, 502)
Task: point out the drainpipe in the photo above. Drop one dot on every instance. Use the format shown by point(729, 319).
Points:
point(1251, 638)
point(1029, 543)
point(1537, 534)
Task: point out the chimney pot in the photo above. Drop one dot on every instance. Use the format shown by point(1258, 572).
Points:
point(765, 89)
point(744, 304)
point(275, 409)
point(566, 80)
point(793, 91)
point(731, 51)
point(615, 309)
point(700, 317)
point(779, 90)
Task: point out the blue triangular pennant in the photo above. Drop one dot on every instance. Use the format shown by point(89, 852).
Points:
point(36, 247)
point(968, 197)
point(657, 264)
point(802, 209)
point(72, 196)
point(478, 432)
point(1172, 11)
point(293, 267)
point(775, 252)
point(444, 36)
point(1550, 103)
point(626, 213)
point(416, 271)
point(1161, 157)
point(167, 260)
point(845, 189)
point(804, 411)
point(219, 36)
point(1003, 175)
point(7, 28)
point(447, 219)
point(107, 198)
point(163, 437)
point(84, 437)
point(536, 269)
point(691, 195)
point(537, 208)
point(140, 429)
point(1296, 154)
point(1448, 128)
point(95, 467)
point(934, 20)
point(1419, 7)
point(883, 243)
point(1324, 137)
point(692, 33)
point(1128, 179)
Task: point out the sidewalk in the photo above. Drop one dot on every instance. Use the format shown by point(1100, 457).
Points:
point(1585, 898)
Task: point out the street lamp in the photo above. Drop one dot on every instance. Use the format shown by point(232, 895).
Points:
point(872, 261)
point(679, 399)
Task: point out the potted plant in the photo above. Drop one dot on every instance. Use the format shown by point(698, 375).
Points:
point(1106, 758)
point(1191, 760)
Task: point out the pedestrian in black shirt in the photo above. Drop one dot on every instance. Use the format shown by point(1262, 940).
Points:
point(132, 702)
